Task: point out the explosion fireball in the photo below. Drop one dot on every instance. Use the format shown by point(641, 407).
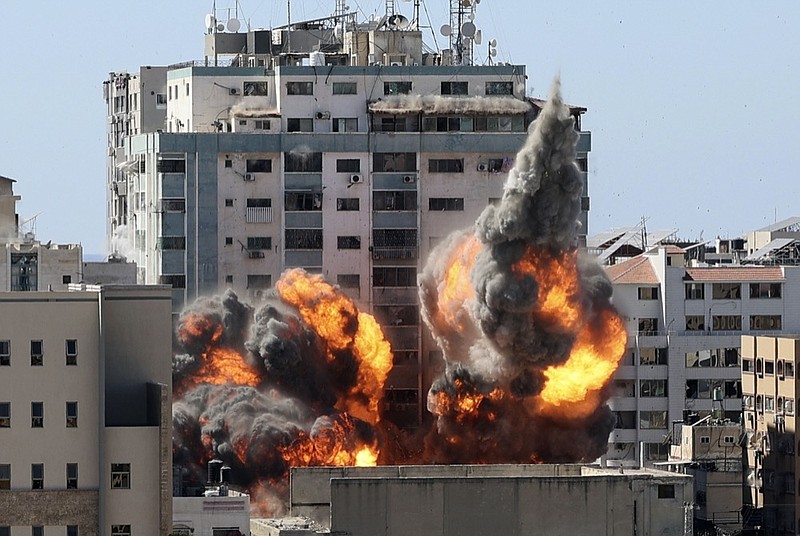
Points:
point(524, 322)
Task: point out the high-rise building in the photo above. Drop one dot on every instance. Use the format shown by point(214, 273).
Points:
point(685, 322)
point(770, 393)
point(344, 148)
point(85, 412)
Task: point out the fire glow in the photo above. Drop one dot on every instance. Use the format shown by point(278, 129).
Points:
point(525, 324)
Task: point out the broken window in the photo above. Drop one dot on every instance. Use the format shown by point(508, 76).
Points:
point(171, 166)
point(391, 276)
point(24, 272)
point(296, 124)
point(397, 88)
point(303, 239)
point(299, 88)
point(347, 203)
point(394, 238)
point(259, 242)
point(652, 388)
point(394, 200)
point(72, 414)
point(499, 88)
point(254, 89)
point(297, 162)
point(455, 88)
point(259, 165)
point(726, 323)
point(694, 291)
point(695, 323)
point(302, 201)
point(446, 165)
point(348, 280)
point(348, 165)
point(648, 326)
point(383, 162)
point(726, 291)
point(653, 356)
point(765, 322)
point(397, 315)
point(652, 420)
point(348, 242)
point(259, 281)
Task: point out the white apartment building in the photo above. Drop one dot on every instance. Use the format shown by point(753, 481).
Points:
point(340, 147)
point(685, 326)
point(25, 263)
point(85, 412)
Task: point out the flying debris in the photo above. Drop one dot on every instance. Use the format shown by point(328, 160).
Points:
point(524, 322)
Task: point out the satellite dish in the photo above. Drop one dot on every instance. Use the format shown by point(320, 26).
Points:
point(234, 25)
point(468, 29)
point(210, 21)
point(466, 3)
point(471, 15)
point(397, 21)
point(402, 22)
point(478, 37)
point(493, 43)
point(220, 27)
point(493, 52)
point(445, 30)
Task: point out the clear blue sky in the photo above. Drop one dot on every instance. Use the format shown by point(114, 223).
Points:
point(692, 105)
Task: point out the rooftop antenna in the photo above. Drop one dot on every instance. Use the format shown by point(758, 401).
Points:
point(289, 26)
point(462, 30)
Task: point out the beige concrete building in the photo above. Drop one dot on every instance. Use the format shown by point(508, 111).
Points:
point(685, 322)
point(25, 263)
point(85, 412)
point(770, 393)
point(512, 500)
point(221, 512)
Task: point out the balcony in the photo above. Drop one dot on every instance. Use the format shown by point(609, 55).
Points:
point(395, 253)
point(258, 215)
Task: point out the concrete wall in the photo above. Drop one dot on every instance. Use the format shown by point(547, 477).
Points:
point(508, 505)
point(54, 509)
point(203, 514)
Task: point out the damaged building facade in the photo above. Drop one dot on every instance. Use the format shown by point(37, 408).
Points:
point(340, 147)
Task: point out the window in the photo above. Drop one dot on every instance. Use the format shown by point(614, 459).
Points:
point(299, 88)
point(120, 476)
point(72, 476)
point(648, 293)
point(695, 323)
point(499, 88)
point(652, 420)
point(345, 124)
point(455, 88)
point(297, 162)
point(66, 279)
point(37, 414)
point(769, 368)
point(37, 359)
point(390, 276)
point(390, 123)
point(666, 491)
point(500, 123)
point(344, 88)
point(648, 326)
point(705, 440)
point(5, 476)
point(37, 530)
point(788, 406)
point(348, 280)
point(37, 476)
point(383, 238)
point(173, 205)
point(259, 165)
point(726, 323)
point(694, 291)
point(716, 357)
point(446, 165)
point(174, 280)
point(769, 404)
point(229, 202)
point(228, 278)
point(303, 239)
point(5, 353)
point(652, 388)
point(225, 531)
point(788, 369)
point(171, 166)
point(765, 290)
point(5, 414)
point(72, 530)
point(348, 165)
point(302, 201)
point(765, 322)
point(623, 388)
point(626, 420)
point(299, 124)
point(72, 414)
point(24, 272)
point(259, 242)
point(161, 100)
point(259, 281)
point(384, 162)
point(348, 242)
point(171, 242)
point(347, 203)
point(254, 89)
point(656, 451)
point(396, 88)
point(228, 240)
point(120, 530)
point(446, 203)
point(653, 356)
point(726, 291)
point(394, 200)
point(747, 365)
point(262, 124)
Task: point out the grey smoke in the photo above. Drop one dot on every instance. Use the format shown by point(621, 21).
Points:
point(436, 104)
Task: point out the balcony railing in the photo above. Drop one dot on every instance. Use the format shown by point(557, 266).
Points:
point(258, 215)
point(394, 253)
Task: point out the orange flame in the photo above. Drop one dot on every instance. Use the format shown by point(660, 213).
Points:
point(336, 445)
point(558, 285)
point(456, 288)
point(335, 319)
point(574, 387)
point(465, 402)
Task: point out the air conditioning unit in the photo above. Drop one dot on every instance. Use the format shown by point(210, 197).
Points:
point(249, 177)
point(255, 254)
point(233, 91)
point(396, 64)
point(356, 179)
point(323, 115)
point(483, 166)
point(408, 179)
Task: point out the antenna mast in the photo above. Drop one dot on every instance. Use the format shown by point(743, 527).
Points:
point(462, 30)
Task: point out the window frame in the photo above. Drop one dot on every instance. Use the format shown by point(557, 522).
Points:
point(122, 473)
point(71, 414)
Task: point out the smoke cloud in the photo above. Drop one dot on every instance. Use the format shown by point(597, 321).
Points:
point(437, 104)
